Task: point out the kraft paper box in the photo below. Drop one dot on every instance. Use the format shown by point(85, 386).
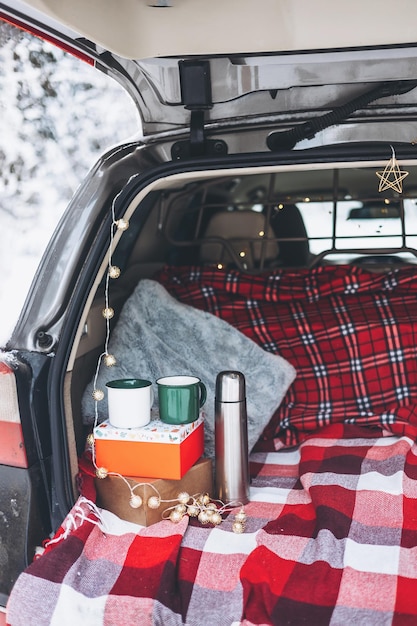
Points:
point(157, 450)
point(114, 495)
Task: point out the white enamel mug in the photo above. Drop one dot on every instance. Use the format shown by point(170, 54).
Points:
point(130, 401)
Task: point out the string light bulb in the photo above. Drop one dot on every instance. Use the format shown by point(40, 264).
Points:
point(241, 516)
point(216, 518)
point(199, 506)
point(114, 271)
point(203, 517)
point(154, 502)
point(238, 528)
point(122, 224)
point(109, 360)
point(175, 516)
point(108, 312)
point(98, 395)
point(102, 472)
point(135, 501)
point(192, 510)
point(183, 497)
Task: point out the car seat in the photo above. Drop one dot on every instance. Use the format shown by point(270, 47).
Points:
point(239, 237)
point(288, 226)
point(245, 238)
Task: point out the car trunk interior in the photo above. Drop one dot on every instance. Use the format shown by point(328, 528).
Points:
point(253, 220)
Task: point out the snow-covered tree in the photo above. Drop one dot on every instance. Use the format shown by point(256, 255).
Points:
point(57, 114)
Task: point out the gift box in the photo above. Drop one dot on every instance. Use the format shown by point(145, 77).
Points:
point(157, 450)
point(114, 495)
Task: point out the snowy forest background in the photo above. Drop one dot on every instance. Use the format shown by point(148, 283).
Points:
point(57, 114)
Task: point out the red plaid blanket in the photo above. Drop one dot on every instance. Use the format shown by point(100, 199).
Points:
point(350, 334)
point(331, 538)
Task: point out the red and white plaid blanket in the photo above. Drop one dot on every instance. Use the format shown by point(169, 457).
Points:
point(331, 531)
point(331, 538)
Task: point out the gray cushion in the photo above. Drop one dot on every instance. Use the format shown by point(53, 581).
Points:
point(158, 336)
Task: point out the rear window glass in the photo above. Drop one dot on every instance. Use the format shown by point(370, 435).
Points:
point(359, 218)
point(329, 215)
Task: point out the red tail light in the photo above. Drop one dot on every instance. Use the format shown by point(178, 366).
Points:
point(12, 447)
point(66, 47)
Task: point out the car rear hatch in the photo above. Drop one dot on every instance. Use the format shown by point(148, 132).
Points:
point(207, 67)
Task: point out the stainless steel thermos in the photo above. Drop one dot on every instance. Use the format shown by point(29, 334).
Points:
point(231, 438)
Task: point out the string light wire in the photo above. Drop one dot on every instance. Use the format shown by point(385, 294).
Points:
point(201, 506)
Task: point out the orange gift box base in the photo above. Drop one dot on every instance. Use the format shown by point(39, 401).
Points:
point(153, 459)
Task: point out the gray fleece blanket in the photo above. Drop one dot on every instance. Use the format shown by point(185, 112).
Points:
point(158, 336)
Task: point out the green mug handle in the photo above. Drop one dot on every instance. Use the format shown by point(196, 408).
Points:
point(203, 393)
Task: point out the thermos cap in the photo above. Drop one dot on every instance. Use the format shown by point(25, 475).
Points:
point(230, 387)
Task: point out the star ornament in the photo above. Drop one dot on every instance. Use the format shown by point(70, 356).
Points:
point(392, 177)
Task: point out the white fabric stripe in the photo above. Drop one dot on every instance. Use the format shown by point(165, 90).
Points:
point(283, 458)
point(269, 494)
point(373, 481)
point(73, 607)
point(227, 542)
point(113, 525)
point(369, 558)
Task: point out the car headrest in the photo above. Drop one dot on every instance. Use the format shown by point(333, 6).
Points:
point(239, 237)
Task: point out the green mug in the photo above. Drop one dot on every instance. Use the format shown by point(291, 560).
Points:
point(180, 398)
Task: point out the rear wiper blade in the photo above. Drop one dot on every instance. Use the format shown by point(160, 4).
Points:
point(286, 140)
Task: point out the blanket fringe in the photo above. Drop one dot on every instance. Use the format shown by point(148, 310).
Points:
point(79, 514)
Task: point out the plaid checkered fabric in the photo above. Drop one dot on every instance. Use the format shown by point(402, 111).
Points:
point(330, 539)
point(350, 334)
